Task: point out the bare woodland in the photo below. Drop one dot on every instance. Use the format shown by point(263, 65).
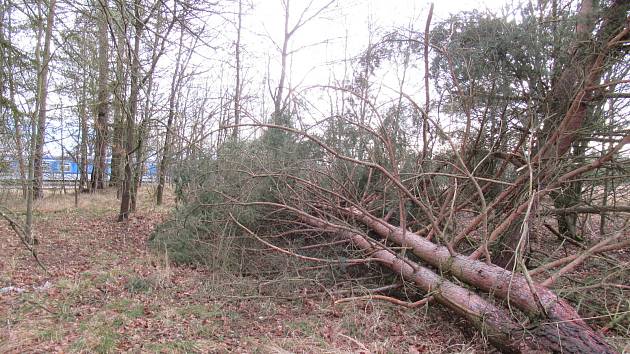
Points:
point(478, 162)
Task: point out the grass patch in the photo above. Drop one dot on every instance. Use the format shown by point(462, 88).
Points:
point(65, 312)
point(137, 285)
point(127, 307)
point(136, 311)
point(303, 327)
point(76, 289)
point(99, 335)
point(51, 334)
point(199, 311)
point(119, 305)
point(177, 346)
point(107, 341)
point(104, 278)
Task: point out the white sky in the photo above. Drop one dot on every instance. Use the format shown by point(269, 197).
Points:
point(346, 17)
point(325, 38)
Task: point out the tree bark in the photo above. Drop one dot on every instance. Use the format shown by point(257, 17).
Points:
point(102, 119)
point(237, 89)
point(131, 182)
point(139, 166)
point(278, 99)
point(41, 105)
point(83, 118)
point(536, 301)
point(172, 100)
point(494, 322)
point(6, 35)
point(119, 114)
point(427, 106)
point(127, 158)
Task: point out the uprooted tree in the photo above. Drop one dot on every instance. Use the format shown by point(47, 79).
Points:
point(536, 132)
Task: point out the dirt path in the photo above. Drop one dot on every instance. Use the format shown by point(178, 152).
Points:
point(108, 293)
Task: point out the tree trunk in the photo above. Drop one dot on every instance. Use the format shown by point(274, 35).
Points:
point(139, 166)
point(83, 117)
point(569, 101)
point(175, 84)
point(63, 155)
point(17, 124)
point(127, 202)
point(119, 109)
point(278, 100)
point(128, 180)
point(6, 34)
point(42, 94)
point(494, 322)
point(237, 89)
point(102, 119)
point(536, 301)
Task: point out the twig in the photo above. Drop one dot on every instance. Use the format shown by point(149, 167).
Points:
point(390, 299)
point(361, 345)
point(567, 259)
point(287, 252)
point(19, 231)
point(578, 260)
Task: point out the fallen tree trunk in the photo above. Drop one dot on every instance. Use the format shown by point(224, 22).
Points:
point(571, 333)
point(494, 322)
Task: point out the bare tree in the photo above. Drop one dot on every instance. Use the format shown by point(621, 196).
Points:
point(308, 14)
point(238, 85)
point(140, 18)
point(102, 119)
point(42, 94)
point(8, 51)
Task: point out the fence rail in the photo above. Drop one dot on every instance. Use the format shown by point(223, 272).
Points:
point(13, 183)
point(47, 183)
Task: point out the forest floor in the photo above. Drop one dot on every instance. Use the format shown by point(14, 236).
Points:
point(106, 291)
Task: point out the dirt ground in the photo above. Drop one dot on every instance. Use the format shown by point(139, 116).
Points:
point(107, 292)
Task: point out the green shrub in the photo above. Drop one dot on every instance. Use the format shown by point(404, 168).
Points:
point(212, 190)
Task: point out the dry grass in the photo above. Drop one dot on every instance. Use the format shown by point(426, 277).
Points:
point(109, 293)
point(56, 201)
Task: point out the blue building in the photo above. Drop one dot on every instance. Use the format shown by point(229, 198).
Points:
point(56, 169)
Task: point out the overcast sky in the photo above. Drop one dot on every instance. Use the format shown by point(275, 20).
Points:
point(351, 18)
point(340, 32)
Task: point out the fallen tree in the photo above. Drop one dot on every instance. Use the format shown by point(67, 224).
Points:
point(563, 332)
point(553, 318)
point(552, 324)
point(458, 224)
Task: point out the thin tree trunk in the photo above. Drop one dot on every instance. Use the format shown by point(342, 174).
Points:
point(143, 129)
point(237, 93)
point(127, 202)
point(83, 117)
point(102, 120)
point(278, 99)
point(7, 26)
point(139, 165)
point(425, 121)
point(41, 103)
point(17, 124)
point(164, 162)
point(31, 239)
point(127, 182)
point(63, 155)
point(119, 114)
